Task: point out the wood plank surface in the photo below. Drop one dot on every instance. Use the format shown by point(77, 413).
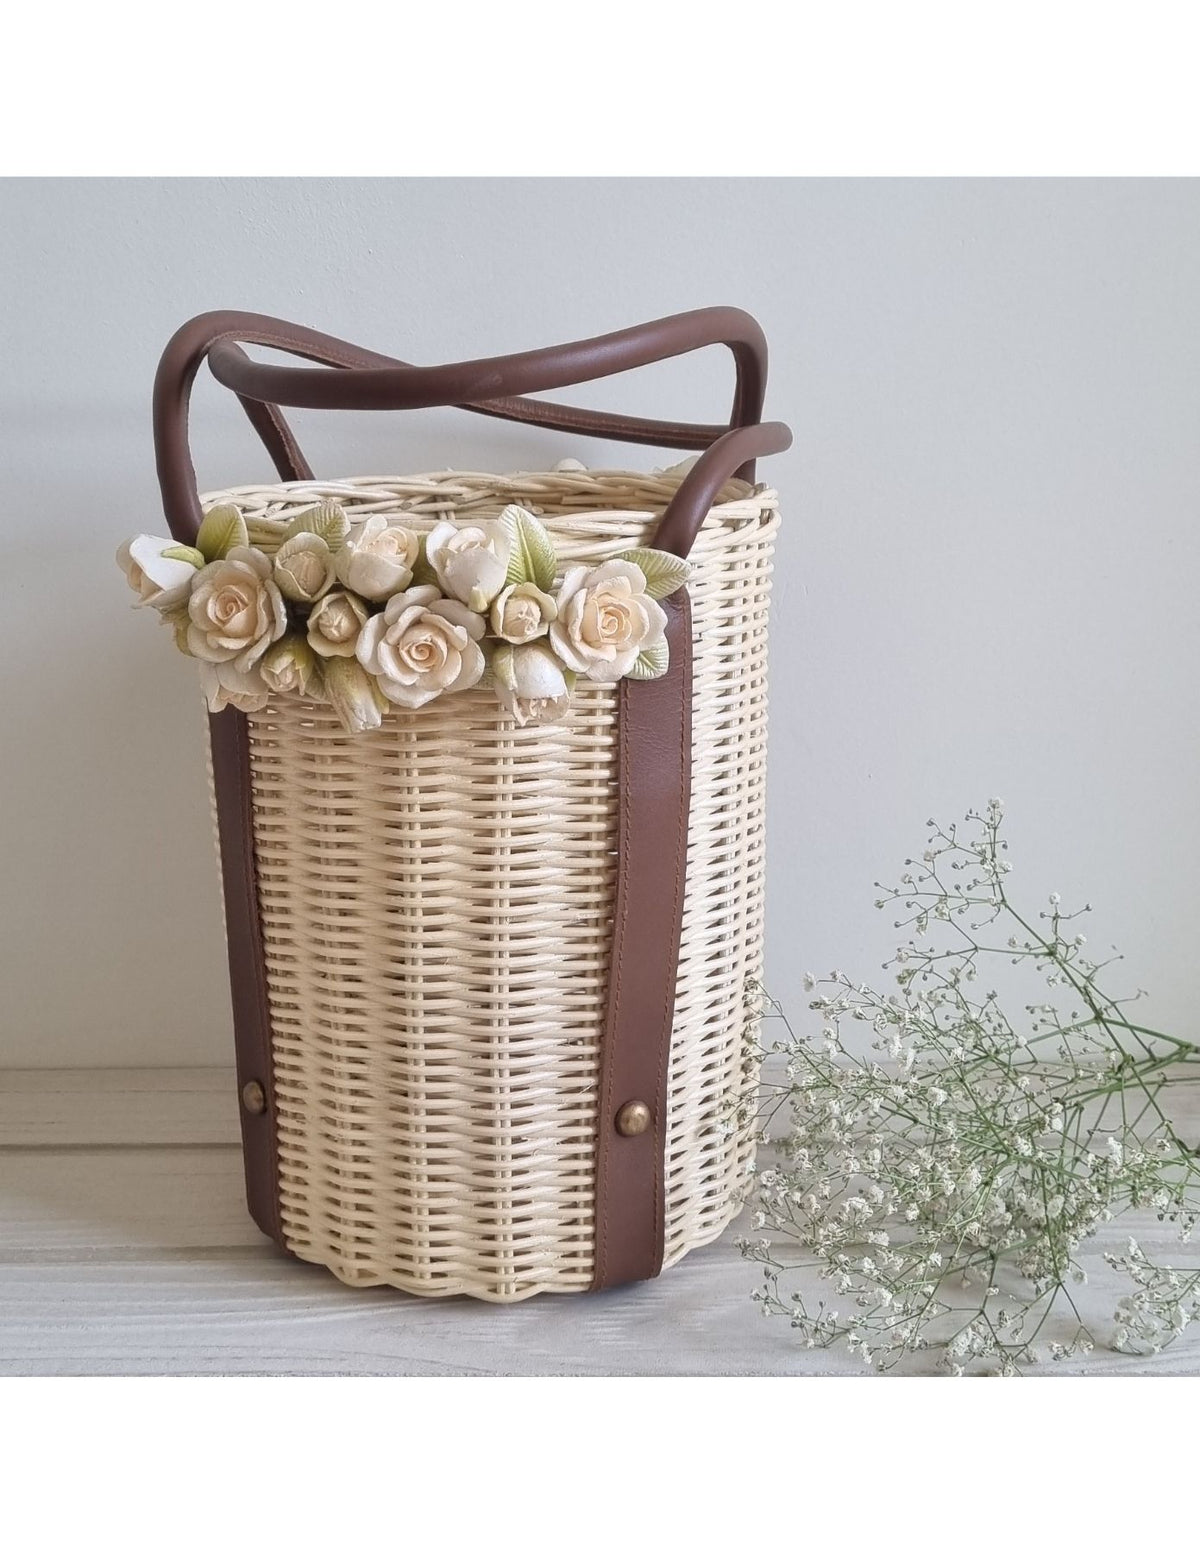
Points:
point(125, 1249)
point(118, 1105)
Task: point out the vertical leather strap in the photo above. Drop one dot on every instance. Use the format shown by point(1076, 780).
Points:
point(654, 784)
point(229, 734)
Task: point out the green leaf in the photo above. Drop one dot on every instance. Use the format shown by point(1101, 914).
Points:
point(328, 520)
point(570, 676)
point(651, 664)
point(223, 530)
point(531, 556)
point(184, 553)
point(178, 621)
point(501, 666)
point(423, 575)
point(354, 695)
point(664, 572)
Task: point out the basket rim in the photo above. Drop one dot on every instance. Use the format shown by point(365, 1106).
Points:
point(737, 499)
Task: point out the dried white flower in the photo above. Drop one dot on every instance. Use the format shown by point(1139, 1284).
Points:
point(981, 1165)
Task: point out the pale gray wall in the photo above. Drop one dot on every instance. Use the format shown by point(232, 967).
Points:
point(986, 582)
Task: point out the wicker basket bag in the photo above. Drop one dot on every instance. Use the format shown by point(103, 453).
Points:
point(490, 976)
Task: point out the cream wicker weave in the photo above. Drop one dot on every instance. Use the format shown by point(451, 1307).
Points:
point(436, 903)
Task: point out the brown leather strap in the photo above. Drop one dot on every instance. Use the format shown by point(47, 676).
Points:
point(229, 735)
point(654, 765)
point(654, 716)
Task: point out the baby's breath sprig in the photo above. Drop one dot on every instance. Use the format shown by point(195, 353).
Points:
point(943, 1185)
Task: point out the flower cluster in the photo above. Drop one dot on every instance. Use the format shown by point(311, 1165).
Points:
point(370, 615)
point(944, 1158)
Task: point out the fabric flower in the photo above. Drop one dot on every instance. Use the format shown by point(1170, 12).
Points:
point(522, 612)
point(422, 646)
point(531, 686)
point(471, 563)
point(304, 568)
point(291, 667)
point(377, 559)
point(161, 581)
point(235, 610)
point(335, 623)
point(224, 684)
point(605, 619)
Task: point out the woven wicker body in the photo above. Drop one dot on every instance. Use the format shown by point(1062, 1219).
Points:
point(436, 903)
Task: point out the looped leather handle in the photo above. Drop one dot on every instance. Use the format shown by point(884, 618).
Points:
point(365, 380)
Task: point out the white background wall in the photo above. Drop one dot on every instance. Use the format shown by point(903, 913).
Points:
point(986, 581)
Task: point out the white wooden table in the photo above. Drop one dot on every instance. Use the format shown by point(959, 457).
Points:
point(125, 1248)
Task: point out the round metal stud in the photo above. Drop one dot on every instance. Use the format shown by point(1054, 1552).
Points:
point(633, 1118)
point(254, 1097)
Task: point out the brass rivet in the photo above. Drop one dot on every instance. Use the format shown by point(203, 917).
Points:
point(254, 1097)
point(633, 1118)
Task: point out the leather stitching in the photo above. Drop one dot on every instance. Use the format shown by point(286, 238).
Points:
point(684, 648)
point(262, 1028)
point(635, 1058)
point(613, 1023)
point(252, 1015)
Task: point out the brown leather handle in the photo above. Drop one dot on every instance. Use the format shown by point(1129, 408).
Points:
point(730, 454)
point(494, 386)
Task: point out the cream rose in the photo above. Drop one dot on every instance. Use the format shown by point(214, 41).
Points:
point(159, 580)
point(422, 646)
point(304, 568)
point(605, 619)
point(377, 559)
point(471, 563)
point(522, 612)
point(531, 686)
point(224, 684)
point(335, 623)
point(235, 610)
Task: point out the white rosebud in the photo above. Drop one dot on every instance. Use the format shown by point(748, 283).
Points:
point(531, 685)
point(335, 623)
point(235, 610)
point(471, 563)
point(304, 568)
point(522, 613)
point(290, 667)
point(605, 620)
point(422, 646)
point(354, 695)
point(377, 559)
point(161, 581)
